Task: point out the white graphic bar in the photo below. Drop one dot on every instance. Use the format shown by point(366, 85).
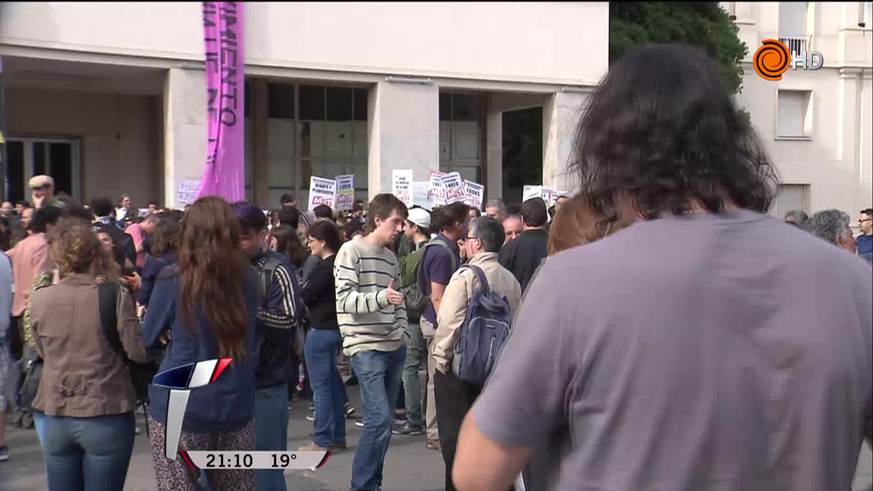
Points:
point(261, 459)
point(202, 373)
point(176, 406)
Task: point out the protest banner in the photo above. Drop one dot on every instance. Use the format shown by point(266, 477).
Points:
point(529, 192)
point(549, 195)
point(436, 192)
point(223, 37)
point(474, 194)
point(186, 192)
point(321, 192)
point(345, 192)
point(401, 185)
point(453, 185)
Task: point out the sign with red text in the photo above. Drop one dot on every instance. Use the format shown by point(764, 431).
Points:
point(321, 192)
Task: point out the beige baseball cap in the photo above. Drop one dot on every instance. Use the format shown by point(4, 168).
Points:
point(40, 181)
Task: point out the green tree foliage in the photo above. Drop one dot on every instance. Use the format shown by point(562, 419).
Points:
point(701, 24)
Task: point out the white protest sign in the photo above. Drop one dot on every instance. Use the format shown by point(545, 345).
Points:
point(186, 192)
point(548, 195)
point(345, 192)
point(436, 192)
point(401, 185)
point(529, 192)
point(321, 192)
point(474, 194)
point(421, 194)
point(453, 184)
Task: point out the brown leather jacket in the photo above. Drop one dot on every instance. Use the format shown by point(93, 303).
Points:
point(82, 375)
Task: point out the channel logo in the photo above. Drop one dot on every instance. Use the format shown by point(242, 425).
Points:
point(771, 60)
point(181, 380)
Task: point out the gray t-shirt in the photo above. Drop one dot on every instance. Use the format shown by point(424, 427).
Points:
point(703, 353)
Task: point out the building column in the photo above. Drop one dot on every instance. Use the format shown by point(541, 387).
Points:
point(260, 137)
point(403, 129)
point(184, 129)
point(865, 131)
point(848, 124)
point(493, 151)
point(561, 114)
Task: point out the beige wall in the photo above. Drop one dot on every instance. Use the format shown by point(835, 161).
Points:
point(836, 161)
point(119, 136)
point(493, 41)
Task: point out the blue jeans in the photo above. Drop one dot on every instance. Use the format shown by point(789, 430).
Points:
point(271, 432)
point(328, 389)
point(85, 454)
point(378, 374)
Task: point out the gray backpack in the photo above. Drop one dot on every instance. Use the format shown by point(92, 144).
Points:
point(483, 334)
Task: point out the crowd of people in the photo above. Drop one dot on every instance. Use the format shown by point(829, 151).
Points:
point(691, 342)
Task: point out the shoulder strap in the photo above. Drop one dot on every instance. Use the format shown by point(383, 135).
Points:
point(108, 302)
point(442, 243)
point(485, 288)
point(267, 275)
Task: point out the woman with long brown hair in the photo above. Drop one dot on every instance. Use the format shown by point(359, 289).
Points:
point(206, 305)
point(284, 240)
point(165, 242)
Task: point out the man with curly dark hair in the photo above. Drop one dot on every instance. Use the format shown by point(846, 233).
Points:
point(704, 346)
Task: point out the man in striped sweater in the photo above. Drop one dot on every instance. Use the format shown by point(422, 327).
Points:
point(372, 320)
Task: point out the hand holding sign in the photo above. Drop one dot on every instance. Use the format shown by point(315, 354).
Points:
point(394, 296)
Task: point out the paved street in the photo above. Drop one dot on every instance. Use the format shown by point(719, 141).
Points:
point(410, 465)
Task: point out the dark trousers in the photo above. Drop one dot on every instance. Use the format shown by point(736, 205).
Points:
point(453, 398)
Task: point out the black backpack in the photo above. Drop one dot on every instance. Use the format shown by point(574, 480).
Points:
point(141, 374)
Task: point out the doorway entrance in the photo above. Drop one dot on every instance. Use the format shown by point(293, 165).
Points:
point(522, 151)
point(56, 157)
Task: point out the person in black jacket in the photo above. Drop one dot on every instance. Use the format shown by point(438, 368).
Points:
point(324, 341)
point(523, 255)
point(276, 325)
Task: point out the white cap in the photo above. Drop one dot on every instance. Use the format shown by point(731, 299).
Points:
point(420, 217)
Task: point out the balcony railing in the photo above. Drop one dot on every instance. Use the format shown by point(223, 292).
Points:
point(798, 46)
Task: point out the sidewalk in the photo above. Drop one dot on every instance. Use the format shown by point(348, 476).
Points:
point(410, 464)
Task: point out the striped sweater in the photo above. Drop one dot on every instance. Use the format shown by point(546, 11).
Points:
point(366, 320)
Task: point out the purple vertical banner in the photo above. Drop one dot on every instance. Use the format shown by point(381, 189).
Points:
point(225, 88)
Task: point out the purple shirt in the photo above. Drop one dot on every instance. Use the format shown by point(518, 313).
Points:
point(729, 352)
point(436, 267)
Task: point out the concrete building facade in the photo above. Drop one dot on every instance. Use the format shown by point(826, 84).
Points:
point(816, 124)
point(110, 97)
